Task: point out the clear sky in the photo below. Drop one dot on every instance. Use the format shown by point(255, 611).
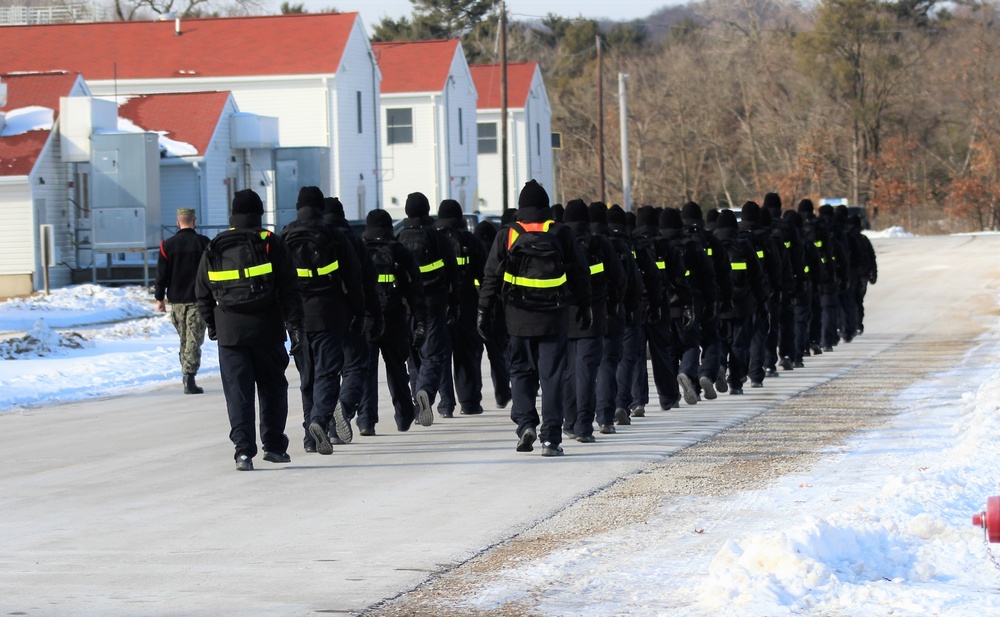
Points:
point(372, 11)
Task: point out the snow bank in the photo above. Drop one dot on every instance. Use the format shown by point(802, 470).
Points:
point(77, 305)
point(891, 232)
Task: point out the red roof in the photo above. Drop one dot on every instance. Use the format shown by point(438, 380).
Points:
point(189, 117)
point(415, 66)
point(487, 80)
point(295, 44)
point(18, 153)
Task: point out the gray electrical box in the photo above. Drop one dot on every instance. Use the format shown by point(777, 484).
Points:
point(293, 169)
point(125, 190)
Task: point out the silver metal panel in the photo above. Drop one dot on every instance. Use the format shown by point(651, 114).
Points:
point(125, 176)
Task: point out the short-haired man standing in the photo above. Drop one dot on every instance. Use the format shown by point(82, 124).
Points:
point(176, 272)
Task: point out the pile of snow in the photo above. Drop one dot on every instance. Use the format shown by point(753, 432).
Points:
point(39, 342)
point(26, 119)
point(880, 526)
point(891, 232)
point(77, 305)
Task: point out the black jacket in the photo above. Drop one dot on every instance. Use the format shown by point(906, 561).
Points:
point(177, 266)
point(471, 260)
point(264, 327)
point(746, 274)
point(607, 288)
point(372, 307)
point(527, 323)
point(438, 300)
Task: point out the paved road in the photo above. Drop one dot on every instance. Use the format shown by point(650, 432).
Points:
point(131, 506)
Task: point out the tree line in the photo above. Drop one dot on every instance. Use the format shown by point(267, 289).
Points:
point(891, 104)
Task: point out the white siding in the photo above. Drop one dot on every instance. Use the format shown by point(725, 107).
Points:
point(409, 168)
point(56, 213)
point(355, 158)
point(460, 159)
point(18, 248)
point(180, 187)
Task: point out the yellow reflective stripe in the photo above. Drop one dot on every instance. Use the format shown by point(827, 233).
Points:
point(788, 245)
point(739, 265)
point(708, 251)
point(596, 268)
point(223, 275)
point(822, 260)
point(260, 270)
point(475, 282)
point(435, 265)
point(304, 273)
point(687, 273)
point(462, 261)
point(662, 265)
point(537, 283)
point(760, 254)
point(328, 268)
point(633, 254)
point(232, 275)
point(806, 269)
point(819, 244)
point(386, 278)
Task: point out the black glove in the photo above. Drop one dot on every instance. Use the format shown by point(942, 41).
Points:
point(687, 318)
point(873, 276)
point(453, 313)
point(357, 325)
point(483, 324)
point(212, 334)
point(419, 334)
point(377, 327)
point(655, 315)
point(295, 336)
point(585, 315)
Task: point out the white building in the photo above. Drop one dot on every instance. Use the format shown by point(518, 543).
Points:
point(33, 181)
point(428, 105)
point(315, 72)
point(529, 133)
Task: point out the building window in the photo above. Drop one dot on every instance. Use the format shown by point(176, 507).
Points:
point(538, 139)
point(461, 131)
point(487, 137)
point(359, 112)
point(399, 125)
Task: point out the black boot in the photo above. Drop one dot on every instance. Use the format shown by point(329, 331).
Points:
point(190, 387)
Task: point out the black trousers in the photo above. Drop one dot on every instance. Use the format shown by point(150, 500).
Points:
point(633, 385)
point(786, 330)
point(429, 362)
point(538, 361)
point(803, 319)
point(830, 318)
point(665, 349)
point(583, 358)
point(758, 347)
point(356, 371)
point(394, 345)
point(860, 290)
point(607, 381)
point(259, 370)
point(496, 352)
point(320, 361)
point(736, 334)
point(466, 354)
point(848, 314)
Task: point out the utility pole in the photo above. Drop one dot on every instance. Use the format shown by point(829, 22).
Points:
point(622, 121)
point(503, 101)
point(600, 119)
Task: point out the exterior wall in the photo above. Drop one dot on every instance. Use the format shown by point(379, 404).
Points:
point(56, 212)
point(461, 182)
point(409, 168)
point(17, 264)
point(538, 132)
point(356, 177)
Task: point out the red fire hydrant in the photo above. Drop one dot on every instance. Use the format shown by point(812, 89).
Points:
point(990, 519)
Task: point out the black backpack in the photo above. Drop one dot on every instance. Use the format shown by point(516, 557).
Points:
point(534, 275)
point(386, 270)
point(431, 263)
point(240, 273)
point(314, 253)
point(738, 262)
point(462, 254)
point(590, 246)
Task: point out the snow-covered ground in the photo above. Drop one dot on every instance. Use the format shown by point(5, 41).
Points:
point(880, 526)
point(44, 366)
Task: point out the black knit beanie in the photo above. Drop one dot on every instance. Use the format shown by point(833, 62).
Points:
point(805, 206)
point(616, 216)
point(417, 205)
point(333, 207)
point(793, 217)
point(576, 212)
point(765, 217)
point(532, 196)
point(646, 216)
point(751, 212)
point(449, 209)
point(507, 216)
point(691, 212)
point(726, 220)
point(378, 219)
point(310, 197)
point(557, 212)
point(772, 202)
point(671, 218)
point(826, 210)
point(247, 202)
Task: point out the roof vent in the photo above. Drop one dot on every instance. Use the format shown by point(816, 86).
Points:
point(177, 26)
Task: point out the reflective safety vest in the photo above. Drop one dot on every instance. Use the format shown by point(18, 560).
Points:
point(524, 281)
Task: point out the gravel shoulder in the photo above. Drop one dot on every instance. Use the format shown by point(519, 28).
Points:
point(787, 438)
